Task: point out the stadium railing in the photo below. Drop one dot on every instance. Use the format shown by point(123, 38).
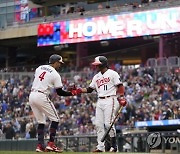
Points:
point(163, 65)
point(173, 62)
point(137, 141)
point(98, 12)
point(152, 62)
point(22, 75)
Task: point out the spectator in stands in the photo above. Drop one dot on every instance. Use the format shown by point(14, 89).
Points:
point(167, 113)
point(100, 6)
point(70, 10)
point(178, 115)
point(0, 123)
point(9, 131)
point(176, 112)
point(32, 131)
point(144, 1)
point(23, 123)
point(166, 95)
point(4, 106)
point(80, 9)
point(107, 5)
point(44, 19)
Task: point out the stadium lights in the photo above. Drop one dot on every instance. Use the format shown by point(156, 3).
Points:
point(104, 43)
point(60, 47)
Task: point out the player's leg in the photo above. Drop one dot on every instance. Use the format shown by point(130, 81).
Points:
point(40, 117)
point(110, 111)
point(40, 130)
point(107, 143)
point(99, 126)
point(50, 111)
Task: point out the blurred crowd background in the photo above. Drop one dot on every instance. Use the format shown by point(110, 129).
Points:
point(26, 12)
point(150, 97)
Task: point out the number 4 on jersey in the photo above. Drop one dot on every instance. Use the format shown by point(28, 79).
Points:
point(42, 76)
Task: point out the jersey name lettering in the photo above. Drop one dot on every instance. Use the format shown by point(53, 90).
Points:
point(103, 81)
point(47, 69)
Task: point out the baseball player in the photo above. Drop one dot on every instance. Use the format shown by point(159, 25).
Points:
point(46, 77)
point(108, 85)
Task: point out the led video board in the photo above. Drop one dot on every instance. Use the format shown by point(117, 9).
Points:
point(150, 22)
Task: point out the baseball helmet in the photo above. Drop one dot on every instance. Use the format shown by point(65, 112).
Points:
point(101, 61)
point(55, 58)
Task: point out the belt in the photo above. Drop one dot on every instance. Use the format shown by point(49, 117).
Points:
point(39, 91)
point(106, 97)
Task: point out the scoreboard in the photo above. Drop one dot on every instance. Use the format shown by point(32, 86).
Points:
point(123, 25)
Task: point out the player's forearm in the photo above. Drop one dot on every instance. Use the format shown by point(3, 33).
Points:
point(84, 90)
point(87, 90)
point(121, 90)
point(61, 92)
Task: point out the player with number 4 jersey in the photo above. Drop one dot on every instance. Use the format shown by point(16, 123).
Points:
point(47, 78)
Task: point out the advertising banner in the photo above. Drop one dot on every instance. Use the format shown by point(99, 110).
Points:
point(157, 123)
point(150, 22)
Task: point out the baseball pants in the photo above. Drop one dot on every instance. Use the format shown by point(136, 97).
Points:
point(105, 113)
point(42, 107)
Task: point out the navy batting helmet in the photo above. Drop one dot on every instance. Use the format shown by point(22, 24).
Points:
point(102, 61)
point(55, 58)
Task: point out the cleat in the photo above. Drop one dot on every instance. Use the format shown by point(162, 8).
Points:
point(113, 149)
point(52, 147)
point(97, 150)
point(46, 150)
point(40, 148)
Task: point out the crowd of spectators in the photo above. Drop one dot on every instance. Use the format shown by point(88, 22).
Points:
point(80, 9)
point(64, 12)
point(149, 96)
point(85, 9)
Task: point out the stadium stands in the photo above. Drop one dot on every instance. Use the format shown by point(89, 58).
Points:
point(150, 96)
point(88, 11)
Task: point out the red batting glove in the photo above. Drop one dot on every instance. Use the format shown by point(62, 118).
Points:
point(122, 101)
point(76, 91)
point(71, 87)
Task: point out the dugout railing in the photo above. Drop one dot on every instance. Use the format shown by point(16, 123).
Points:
point(86, 143)
point(163, 65)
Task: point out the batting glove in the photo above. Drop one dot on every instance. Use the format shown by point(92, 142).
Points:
point(76, 91)
point(71, 87)
point(122, 101)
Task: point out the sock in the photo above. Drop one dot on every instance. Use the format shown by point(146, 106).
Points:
point(113, 142)
point(40, 132)
point(53, 128)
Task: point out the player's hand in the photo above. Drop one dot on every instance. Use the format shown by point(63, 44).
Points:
point(122, 101)
point(76, 91)
point(71, 87)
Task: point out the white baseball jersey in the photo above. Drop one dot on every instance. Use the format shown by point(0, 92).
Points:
point(106, 84)
point(46, 78)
